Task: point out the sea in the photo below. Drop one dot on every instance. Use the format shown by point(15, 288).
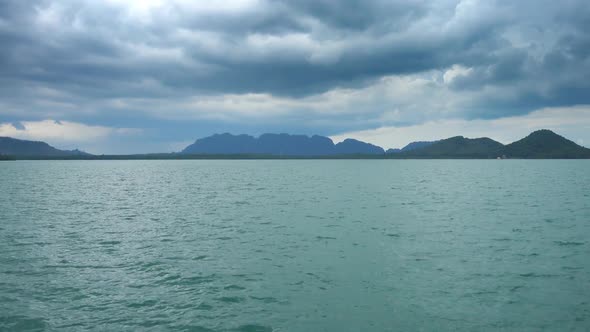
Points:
point(295, 245)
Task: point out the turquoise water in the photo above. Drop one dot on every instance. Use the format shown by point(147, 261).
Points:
point(310, 245)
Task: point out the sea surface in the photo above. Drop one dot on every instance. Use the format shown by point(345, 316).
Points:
point(295, 245)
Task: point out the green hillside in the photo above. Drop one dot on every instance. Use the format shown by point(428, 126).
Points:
point(545, 144)
point(456, 147)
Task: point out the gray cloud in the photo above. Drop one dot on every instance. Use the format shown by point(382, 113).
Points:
point(69, 57)
point(331, 43)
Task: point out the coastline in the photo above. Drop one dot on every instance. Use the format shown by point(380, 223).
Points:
point(261, 157)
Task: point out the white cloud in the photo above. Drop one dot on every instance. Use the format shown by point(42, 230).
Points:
point(455, 71)
point(571, 122)
point(407, 98)
point(62, 132)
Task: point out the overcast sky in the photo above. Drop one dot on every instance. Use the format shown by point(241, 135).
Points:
point(121, 76)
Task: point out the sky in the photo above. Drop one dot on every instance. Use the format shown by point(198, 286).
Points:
point(135, 76)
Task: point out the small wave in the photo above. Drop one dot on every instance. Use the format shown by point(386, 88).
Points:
point(325, 237)
point(537, 275)
point(148, 265)
point(483, 292)
point(171, 277)
point(572, 268)
point(189, 281)
point(204, 306)
point(503, 239)
point(267, 299)
point(73, 266)
point(196, 328)
point(109, 243)
point(253, 328)
point(234, 287)
point(532, 254)
point(569, 243)
point(147, 303)
point(230, 299)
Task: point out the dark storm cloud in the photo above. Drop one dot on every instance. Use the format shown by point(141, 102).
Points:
point(102, 48)
point(88, 51)
point(359, 14)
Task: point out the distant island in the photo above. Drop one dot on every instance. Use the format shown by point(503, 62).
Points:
point(541, 144)
point(279, 145)
point(12, 147)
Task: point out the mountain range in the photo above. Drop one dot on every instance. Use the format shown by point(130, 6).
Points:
point(539, 144)
point(279, 144)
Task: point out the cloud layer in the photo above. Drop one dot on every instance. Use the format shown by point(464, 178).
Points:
point(306, 66)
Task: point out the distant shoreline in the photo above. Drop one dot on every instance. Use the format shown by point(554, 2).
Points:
point(540, 144)
point(257, 157)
